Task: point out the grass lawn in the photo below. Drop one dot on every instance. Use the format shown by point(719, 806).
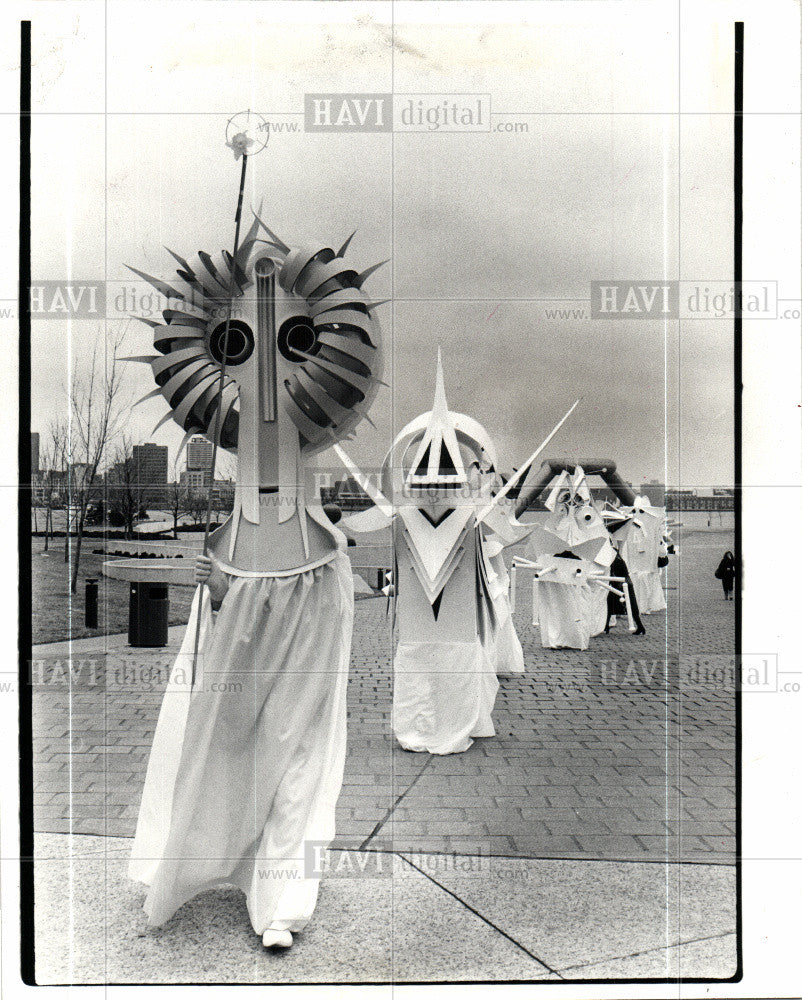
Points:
point(59, 615)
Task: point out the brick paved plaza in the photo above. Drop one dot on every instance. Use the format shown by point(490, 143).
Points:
point(579, 767)
point(599, 755)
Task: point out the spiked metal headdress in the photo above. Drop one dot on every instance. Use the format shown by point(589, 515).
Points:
point(311, 345)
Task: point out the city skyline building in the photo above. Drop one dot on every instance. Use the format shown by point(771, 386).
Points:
point(149, 462)
point(200, 452)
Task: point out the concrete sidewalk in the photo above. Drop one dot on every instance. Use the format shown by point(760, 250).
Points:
point(396, 917)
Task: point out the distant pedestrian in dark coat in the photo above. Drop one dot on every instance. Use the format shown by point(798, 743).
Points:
point(615, 605)
point(726, 572)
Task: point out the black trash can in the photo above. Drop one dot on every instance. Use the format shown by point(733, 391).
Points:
point(148, 614)
point(90, 604)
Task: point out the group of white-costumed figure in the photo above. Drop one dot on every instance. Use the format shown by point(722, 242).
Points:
point(249, 749)
point(591, 564)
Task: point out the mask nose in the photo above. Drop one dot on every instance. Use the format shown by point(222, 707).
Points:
point(265, 272)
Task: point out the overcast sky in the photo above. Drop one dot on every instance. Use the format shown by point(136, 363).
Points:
point(484, 230)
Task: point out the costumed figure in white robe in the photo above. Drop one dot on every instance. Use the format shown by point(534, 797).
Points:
point(571, 556)
point(643, 545)
point(623, 601)
point(501, 641)
point(502, 645)
point(248, 754)
point(448, 537)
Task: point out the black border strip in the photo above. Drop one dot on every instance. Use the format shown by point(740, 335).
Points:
point(24, 521)
point(737, 346)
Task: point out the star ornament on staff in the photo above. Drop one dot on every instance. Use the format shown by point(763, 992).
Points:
point(240, 131)
point(240, 143)
point(246, 133)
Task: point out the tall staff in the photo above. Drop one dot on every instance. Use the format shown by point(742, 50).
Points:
point(239, 144)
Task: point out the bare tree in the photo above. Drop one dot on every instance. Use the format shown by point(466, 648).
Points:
point(126, 493)
point(51, 479)
point(176, 498)
point(223, 485)
point(96, 409)
point(197, 501)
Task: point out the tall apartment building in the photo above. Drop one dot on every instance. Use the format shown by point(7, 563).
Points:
point(199, 461)
point(150, 472)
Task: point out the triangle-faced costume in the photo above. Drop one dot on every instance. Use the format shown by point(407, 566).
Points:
point(448, 535)
point(247, 759)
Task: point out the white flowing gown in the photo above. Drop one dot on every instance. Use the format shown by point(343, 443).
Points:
point(245, 770)
point(443, 696)
point(563, 616)
point(640, 553)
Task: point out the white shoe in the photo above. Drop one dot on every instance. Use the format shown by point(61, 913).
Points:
point(276, 939)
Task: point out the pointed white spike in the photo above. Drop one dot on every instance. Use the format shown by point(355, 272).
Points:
point(279, 243)
point(152, 323)
point(184, 443)
point(181, 262)
point(370, 306)
point(363, 277)
point(364, 415)
point(440, 433)
point(161, 286)
point(440, 401)
point(372, 491)
point(513, 480)
point(344, 247)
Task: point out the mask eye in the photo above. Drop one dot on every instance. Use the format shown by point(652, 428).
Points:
point(239, 346)
point(296, 334)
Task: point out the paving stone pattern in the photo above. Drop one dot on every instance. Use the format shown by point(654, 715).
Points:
point(602, 754)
